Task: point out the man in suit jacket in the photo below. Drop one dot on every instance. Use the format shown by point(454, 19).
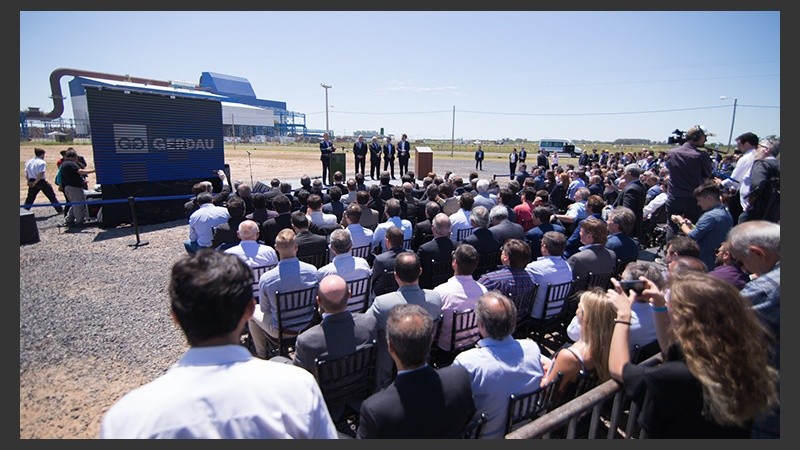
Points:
point(389, 152)
point(439, 249)
point(502, 228)
point(340, 333)
point(633, 195)
point(403, 153)
point(406, 272)
point(594, 256)
point(479, 158)
point(481, 238)
point(360, 154)
point(393, 241)
point(325, 149)
point(271, 227)
point(620, 222)
point(308, 243)
point(421, 402)
point(375, 152)
point(423, 231)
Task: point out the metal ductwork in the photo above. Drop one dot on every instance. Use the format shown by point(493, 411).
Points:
point(58, 97)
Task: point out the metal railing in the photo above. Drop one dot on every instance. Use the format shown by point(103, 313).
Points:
point(596, 402)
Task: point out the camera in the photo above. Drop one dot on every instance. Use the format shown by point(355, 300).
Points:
point(678, 137)
point(636, 286)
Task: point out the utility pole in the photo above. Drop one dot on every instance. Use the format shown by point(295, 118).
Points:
point(453, 135)
point(326, 87)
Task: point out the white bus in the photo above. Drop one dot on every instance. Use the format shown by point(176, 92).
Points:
point(560, 146)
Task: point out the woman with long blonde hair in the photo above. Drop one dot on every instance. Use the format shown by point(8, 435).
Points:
point(715, 378)
point(589, 354)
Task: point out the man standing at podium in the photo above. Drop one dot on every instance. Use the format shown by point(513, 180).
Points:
point(325, 150)
point(403, 154)
point(375, 152)
point(388, 155)
point(360, 154)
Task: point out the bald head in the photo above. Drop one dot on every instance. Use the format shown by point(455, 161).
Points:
point(441, 225)
point(496, 315)
point(333, 294)
point(248, 230)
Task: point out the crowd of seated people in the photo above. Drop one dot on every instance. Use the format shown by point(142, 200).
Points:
point(528, 222)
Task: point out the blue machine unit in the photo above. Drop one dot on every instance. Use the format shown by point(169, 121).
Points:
point(142, 136)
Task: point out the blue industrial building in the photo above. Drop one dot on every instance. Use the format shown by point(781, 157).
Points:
point(243, 114)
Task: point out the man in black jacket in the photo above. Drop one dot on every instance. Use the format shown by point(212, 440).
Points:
point(421, 402)
point(360, 154)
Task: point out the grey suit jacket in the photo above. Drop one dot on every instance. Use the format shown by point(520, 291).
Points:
point(338, 335)
point(426, 298)
point(595, 259)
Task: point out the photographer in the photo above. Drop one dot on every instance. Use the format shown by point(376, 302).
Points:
point(689, 166)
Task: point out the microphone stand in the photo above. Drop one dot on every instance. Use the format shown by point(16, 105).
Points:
point(251, 167)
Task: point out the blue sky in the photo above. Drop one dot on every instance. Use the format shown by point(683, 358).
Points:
point(597, 75)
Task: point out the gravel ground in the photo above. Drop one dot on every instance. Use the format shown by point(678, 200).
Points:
point(94, 313)
point(94, 321)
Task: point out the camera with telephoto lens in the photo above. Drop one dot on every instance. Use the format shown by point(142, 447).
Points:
point(632, 285)
point(678, 137)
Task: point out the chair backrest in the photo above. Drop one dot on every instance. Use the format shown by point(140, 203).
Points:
point(462, 233)
point(487, 262)
point(440, 271)
point(296, 311)
point(257, 272)
point(349, 377)
point(407, 244)
point(555, 299)
point(602, 280)
point(359, 293)
point(384, 282)
point(464, 334)
point(474, 429)
point(524, 302)
point(316, 259)
point(361, 252)
point(527, 406)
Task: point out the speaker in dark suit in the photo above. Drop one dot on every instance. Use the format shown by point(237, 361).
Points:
point(389, 152)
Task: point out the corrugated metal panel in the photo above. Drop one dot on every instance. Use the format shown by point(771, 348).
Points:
point(141, 136)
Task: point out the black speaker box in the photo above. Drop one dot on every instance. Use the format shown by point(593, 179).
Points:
point(28, 230)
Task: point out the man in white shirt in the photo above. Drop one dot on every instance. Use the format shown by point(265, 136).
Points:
point(218, 389)
point(460, 219)
point(551, 268)
point(392, 211)
point(203, 221)
point(459, 292)
point(500, 365)
point(344, 263)
point(315, 214)
point(740, 177)
point(34, 173)
point(249, 250)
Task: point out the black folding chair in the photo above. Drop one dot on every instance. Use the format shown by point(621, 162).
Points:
point(523, 408)
point(474, 428)
point(487, 262)
point(359, 294)
point(549, 329)
point(345, 382)
point(296, 311)
point(316, 259)
point(463, 334)
point(524, 303)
